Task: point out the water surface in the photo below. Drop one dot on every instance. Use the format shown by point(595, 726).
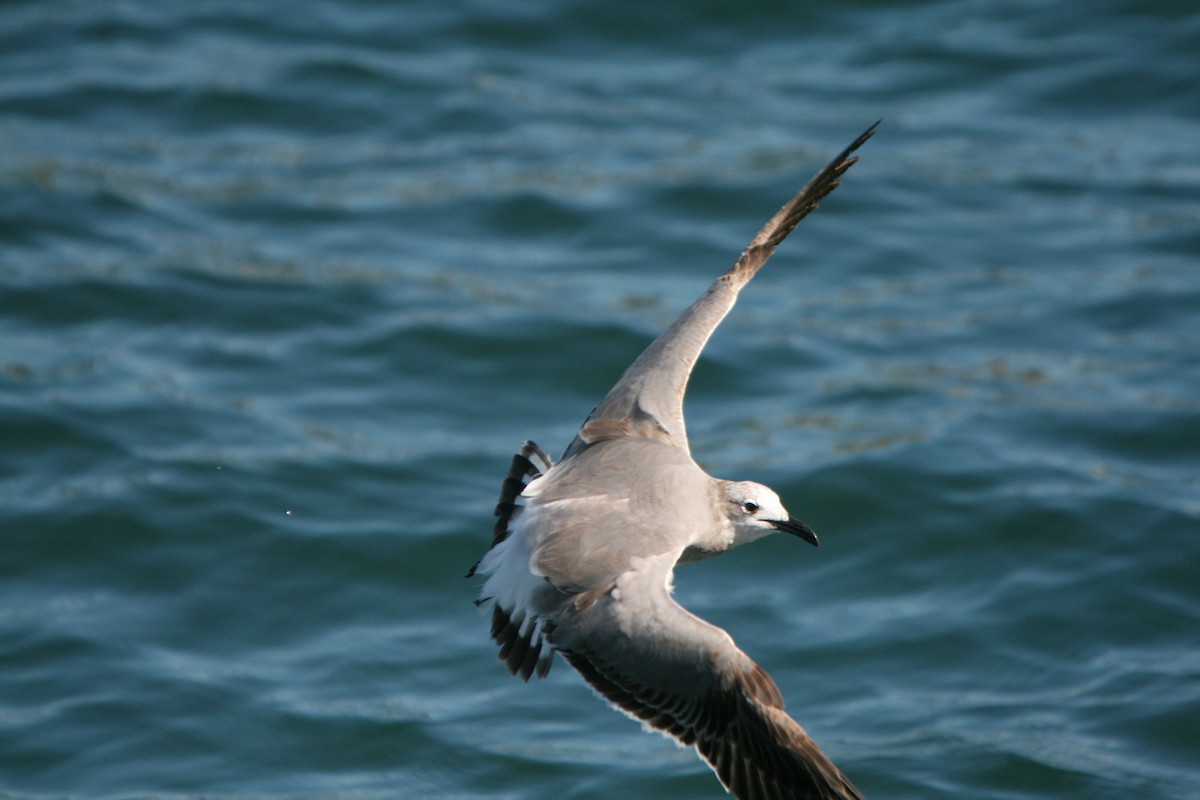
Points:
point(281, 289)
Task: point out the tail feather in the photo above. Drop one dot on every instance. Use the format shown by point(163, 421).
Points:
point(521, 639)
point(521, 471)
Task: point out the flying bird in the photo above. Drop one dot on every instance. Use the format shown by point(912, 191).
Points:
point(584, 551)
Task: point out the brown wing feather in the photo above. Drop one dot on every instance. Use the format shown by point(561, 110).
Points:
point(649, 395)
point(737, 725)
point(658, 662)
point(800, 206)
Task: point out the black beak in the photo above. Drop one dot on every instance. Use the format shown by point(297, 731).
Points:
point(797, 528)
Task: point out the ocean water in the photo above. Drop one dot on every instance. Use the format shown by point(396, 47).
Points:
point(283, 286)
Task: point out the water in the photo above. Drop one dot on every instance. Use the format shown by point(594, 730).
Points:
point(282, 287)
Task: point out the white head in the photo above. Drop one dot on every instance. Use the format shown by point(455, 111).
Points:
point(755, 511)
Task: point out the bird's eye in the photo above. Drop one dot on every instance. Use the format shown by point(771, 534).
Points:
point(750, 506)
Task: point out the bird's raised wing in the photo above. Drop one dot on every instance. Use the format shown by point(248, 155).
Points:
point(648, 399)
point(655, 661)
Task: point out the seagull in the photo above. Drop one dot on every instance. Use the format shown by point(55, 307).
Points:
point(584, 550)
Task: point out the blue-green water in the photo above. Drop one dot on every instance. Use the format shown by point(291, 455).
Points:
point(282, 287)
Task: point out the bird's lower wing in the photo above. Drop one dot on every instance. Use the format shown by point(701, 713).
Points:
point(655, 661)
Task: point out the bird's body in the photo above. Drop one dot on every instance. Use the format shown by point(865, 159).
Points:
point(584, 551)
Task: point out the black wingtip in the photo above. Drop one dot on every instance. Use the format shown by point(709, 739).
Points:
point(859, 142)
